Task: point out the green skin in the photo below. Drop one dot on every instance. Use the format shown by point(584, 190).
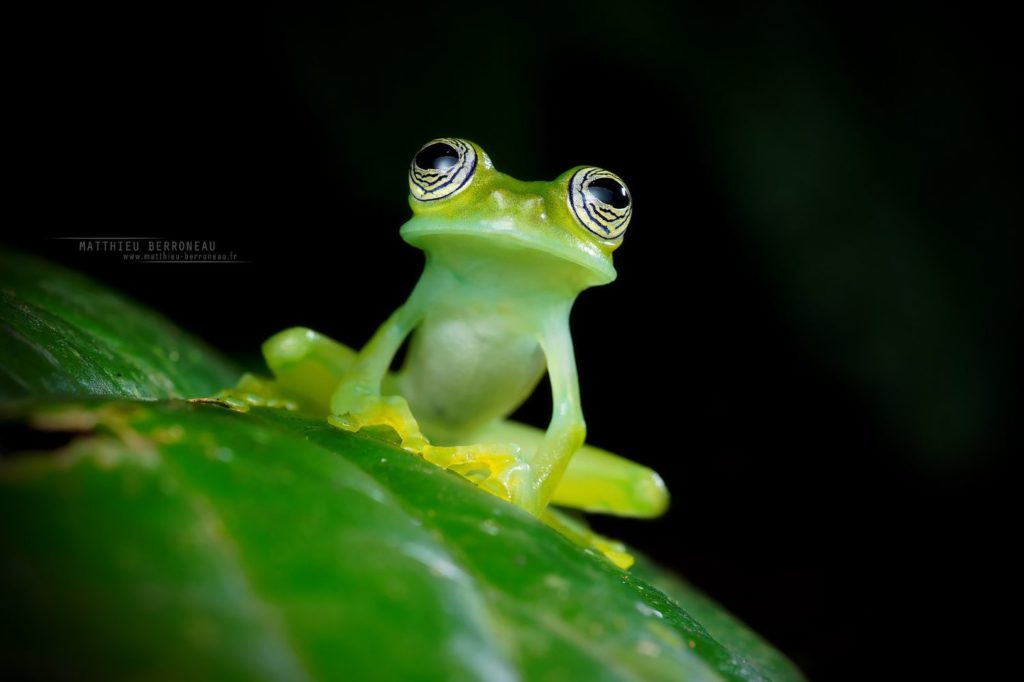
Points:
point(505, 260)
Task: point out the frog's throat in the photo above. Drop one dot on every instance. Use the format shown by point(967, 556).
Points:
point(421, 233)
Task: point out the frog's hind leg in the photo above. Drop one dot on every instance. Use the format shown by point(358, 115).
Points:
point(596, 480)
point(307, 366)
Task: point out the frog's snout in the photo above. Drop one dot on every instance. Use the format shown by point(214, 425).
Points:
point(525, 205)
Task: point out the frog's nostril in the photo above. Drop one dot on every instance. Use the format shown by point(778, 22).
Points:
point(500, 199)
point(536, 208)
point(525, 205)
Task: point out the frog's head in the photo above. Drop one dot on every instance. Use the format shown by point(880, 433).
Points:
point(577, 219)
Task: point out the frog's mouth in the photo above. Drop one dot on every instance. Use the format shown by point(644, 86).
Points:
point(430, 234)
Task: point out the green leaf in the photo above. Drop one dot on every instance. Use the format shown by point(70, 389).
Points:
point(171, 540)
point(265, 544)
point(64, 334)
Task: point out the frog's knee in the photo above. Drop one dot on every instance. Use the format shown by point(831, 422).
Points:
point(642, 495)
point(649, 496)
point(298, 344)
point(307, 365)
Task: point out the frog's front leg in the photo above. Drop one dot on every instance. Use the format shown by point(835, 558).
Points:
point(357, 402)
point(567, 430)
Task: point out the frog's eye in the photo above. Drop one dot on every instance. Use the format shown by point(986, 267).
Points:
point(600, 201)
point(443, 167)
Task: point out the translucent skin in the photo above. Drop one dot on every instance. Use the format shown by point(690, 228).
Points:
point(505, 260)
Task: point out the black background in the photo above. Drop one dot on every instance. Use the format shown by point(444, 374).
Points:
point(810, 336)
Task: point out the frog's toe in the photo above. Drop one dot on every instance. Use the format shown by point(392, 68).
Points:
point(251, 391)
point(580, 533)
point(497, 468)
point(384, 411)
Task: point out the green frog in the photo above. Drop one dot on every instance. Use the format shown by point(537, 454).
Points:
point(505, 260)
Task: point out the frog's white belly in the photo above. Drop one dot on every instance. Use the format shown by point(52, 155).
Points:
point(463, 371)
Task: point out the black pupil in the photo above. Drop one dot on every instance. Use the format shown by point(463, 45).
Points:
point(610, 192)
point(439, 156)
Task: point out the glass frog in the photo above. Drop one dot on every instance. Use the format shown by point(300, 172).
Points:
point(505, 260)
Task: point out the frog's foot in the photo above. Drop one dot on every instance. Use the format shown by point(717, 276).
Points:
point(496, 468)
point(384, 411)
point(250, 391)
point(578, 532)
